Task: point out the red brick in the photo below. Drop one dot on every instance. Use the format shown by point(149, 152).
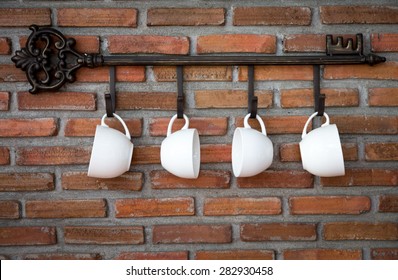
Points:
point(363, 124)
point(86, 127)
point(56, 155)
point(384, 71)
point(4, 101)
point(215, 153)
point(24, 236)
point(63, 256)
point(235, 255)
point(28, 127)
point(4, 156)
point(297, 98)
point(185, 16)
point(224, 98)
point(178, 255)
point(358, 14)
point(233, 206)
point(10, 73)
point(308, 42)
point(381, 151)
point(360, 231)
point(193, 73)
point(278, 179)
point(205, 126)
point(5, 45)
point(146, 155)
point(271, 16)
point(195, 234)
point(326, 205)
point(154, 207)
point(384, 254)
point(11, 182)
point(101, 74)
point(278, 124)
point(388, 203)
point(149, 44)
point(290, 152)
point(24, 17)
point(383, 97)
point(384, 42)
point(89, 17)
point(208, 179)
point(279, 73)
point(363, 178)
point(322, 254)
point(104, 235)
point(146, 100)
point(71, 101)
point(129, 181)
point(9, 209)
point(278, 232)
point(236, 43)
point(94, 208)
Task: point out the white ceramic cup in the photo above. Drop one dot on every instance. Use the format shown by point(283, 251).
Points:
point(112, 151)
point(180, 151)
point(321, 152)
point(252, 151)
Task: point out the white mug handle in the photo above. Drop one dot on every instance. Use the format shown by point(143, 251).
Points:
point(172, 121)
point(259, 119)
point(308, 122)
point(121, 121)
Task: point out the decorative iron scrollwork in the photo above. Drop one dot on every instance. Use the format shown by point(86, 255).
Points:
point(50, 60)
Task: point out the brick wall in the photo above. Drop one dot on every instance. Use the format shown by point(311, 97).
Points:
point(50, 209)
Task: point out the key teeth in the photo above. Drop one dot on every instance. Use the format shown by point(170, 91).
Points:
point(339, 48)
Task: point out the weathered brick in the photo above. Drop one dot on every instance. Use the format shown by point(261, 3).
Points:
point(90, 17)
point(82, 127)
point(233, 206)
point(362, 177)
point(208, 179)
point(146, 155)
point(9, 209)
point(24, 17)
point(358, 14)
point(71, 101)
point(384, 71)
point(24, 236)
point(388, 203)
point(326, 205)
point(322, 254)
point(11, 182)
point(101, 74)
point(383, 97)
point(129, 181)
point(28, 127)
point(278, 73)
point(308, 42)
point(63, 256)
point(289, 152)
point(4, 156)
point(235, 255)
point(10, 73)
point(360, 231)
point(384, 42)
point(236, 43)
point(364, 124)
point(5, 45)
point(94, 208)
point(271, 16)
point(278, 179)
point(177, 255)
point(193, 73)
point(215, 153)
point(293, 98)
point(104, 235)
point(196, 234)
point(154, 207)
point(278, 232)
point(381, 151)
point(185, 16)
point(384, 254)
point(4, 101)
point(146, 100)
point(224, 98)
point(149, 44)
point(205, 126)
point(278, 124)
